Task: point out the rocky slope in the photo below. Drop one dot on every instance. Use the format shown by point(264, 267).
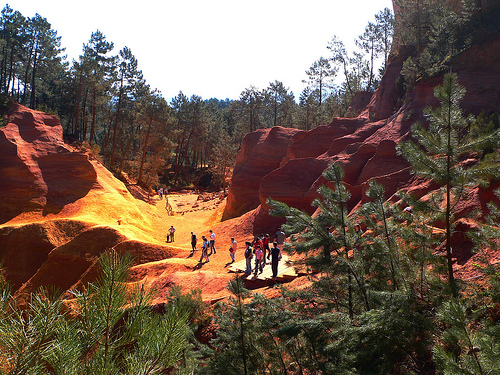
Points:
point(60, 209)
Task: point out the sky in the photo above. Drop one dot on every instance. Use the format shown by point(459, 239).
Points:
point(211, 48)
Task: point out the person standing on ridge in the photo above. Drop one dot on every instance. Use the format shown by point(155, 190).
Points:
point(265, 249)
point(258, 260)
point(204, 250)
point(171, 232)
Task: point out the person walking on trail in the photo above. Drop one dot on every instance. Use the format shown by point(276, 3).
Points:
point(248, 258)
point(204, 250)
point(258, 260)
point(275, 258)
point(232, 249)
point(194, 240)
point(171, 232)
point(212, 242)
point(280, 237)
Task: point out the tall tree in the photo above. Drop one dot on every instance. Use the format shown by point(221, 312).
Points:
point(438, 153)
point(92, 76)
point(321, 75)
point(155, 112)
point(280, 102)
point(308, 104)
point(339, 56)
point(128, 79)
point(370, 43)
point(384, 22)
point(100, 66)
point(13, 38)
point(250, 109)
point(43, 57)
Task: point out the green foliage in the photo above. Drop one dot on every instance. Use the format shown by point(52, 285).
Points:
point(28, 337)
point(439, 156)
point(435, 34)
point(463, 350)
point(106, 329)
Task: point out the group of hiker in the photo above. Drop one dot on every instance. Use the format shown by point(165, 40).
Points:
point(207, 244)
point(262, 252)
point(162, 192)
point(259, 248)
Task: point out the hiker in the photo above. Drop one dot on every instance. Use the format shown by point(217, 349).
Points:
point(204, 249)
point(212, 242)
point(171, 232)
point(265, 249)
point(280, 237)
point(232, 249)
point(257, 243)
point(258, 260)
point(160, 193)
point(248, 258)
point(193, 242)
point(275, 258)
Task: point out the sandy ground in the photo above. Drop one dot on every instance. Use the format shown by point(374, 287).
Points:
point(198, 214)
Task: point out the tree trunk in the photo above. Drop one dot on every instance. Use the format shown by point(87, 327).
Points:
point(144, 151)
point(83, 133)
point(33, 75)
point(115, 128)
point(451, 277)
point(92, 127)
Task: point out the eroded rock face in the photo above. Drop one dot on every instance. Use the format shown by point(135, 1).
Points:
point(365, 146)
point(38, 172)
point(261, 152)
point(59, 210)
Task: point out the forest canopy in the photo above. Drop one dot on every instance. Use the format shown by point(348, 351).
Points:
point(105, 104)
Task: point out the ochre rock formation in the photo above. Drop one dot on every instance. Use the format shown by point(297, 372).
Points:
point(262, 152)
point(59, 209)
point(365, 146)
point(34, 171)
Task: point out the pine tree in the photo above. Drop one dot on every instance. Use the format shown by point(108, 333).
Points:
point(117, 330)
point(236, 343)
point(377, 215)
point(437, 156)
point(461, 349)
point(106, 329)
point(321, 75)
point(326, 232)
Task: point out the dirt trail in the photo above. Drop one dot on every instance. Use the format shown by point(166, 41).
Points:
point(198, 214)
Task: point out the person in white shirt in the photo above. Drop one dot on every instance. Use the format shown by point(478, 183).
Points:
point(212, 242)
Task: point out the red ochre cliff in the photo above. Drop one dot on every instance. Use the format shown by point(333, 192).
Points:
point(287, 164)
